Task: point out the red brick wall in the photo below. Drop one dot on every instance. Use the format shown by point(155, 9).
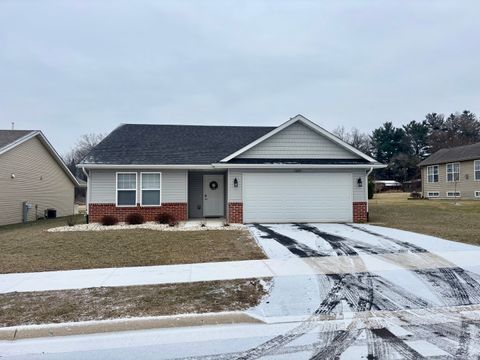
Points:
point(360, 212)
point(235, 212)
point(96, 211)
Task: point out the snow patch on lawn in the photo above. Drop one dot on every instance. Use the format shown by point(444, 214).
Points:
point(184, 226)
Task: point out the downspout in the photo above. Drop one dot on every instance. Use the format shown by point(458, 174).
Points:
point(87, 194)
point(366, 189)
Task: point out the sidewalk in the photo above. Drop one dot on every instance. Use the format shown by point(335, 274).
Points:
point(230, 270)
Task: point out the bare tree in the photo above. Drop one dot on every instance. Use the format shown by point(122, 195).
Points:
point(82, 147)
point(355, 138)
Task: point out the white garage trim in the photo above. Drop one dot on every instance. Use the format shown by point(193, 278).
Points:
point(277, 197)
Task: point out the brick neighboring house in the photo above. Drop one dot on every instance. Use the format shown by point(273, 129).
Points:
point(296, 172)
point(452, 173)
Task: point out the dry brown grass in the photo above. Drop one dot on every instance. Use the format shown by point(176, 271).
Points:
point(448, 219)
point(132, 301)
point(26, 248)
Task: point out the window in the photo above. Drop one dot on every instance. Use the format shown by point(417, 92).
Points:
point(432, 173)
point(126, 189)
point(477, 193)
point(476, 166)
point(433, 194)
point(151, 189)
point(453, 193)
point(453, 172)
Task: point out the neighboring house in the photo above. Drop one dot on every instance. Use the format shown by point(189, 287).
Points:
point(296, 172)
point(452, 173)
point(32, 172)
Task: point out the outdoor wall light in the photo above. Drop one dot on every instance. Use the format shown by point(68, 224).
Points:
point(359, 182)
point(12, 175)
point(235, 182)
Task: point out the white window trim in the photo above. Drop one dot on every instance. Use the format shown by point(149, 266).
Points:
point(446, 172)
point(476, 193)
point(438, 173)
point(159, 189)
point(454, 196)
point(117, 189)
point(429, 194)
point(475, 171)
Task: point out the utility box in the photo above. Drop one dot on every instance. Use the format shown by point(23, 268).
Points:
point(50, 213)
point(26, 206)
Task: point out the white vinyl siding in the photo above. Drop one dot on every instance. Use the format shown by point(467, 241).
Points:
point(298, 142)
point(297, 197)
point(102, 185)
point(126, 189)
point(150, 192)
point(432, 173)
point(476, 169)
point(453, 172)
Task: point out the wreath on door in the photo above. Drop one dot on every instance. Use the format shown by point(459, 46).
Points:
point(213, 185)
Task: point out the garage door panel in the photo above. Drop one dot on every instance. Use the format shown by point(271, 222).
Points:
point(302, 197)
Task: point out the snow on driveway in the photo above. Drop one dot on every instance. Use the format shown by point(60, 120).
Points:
point(346, 291)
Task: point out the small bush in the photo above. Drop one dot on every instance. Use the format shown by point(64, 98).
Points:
point(371, 188)
point(134, 219)
point(109, 220)
point(173, 223)
point(415, 195)
point(71, 220)
point(165, 218)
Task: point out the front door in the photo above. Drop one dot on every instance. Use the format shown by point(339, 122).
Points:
point(213, 194)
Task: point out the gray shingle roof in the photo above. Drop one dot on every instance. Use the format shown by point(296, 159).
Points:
point(459, 153)
point(172, 144)
point(9, 136)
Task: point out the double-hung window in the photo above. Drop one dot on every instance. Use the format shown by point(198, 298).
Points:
point(453, 172)
point(126, 189)
point(432, 173)
point(151, 188)
point(477, 169)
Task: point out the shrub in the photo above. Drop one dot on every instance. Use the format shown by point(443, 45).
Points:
point(371, 189)
point(109, 220)
point(71, 220)
point(134, 219)
point(165, 218)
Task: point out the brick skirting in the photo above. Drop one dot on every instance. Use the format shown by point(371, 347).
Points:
point(235, 213)
point(360, 212)
point(97, 211)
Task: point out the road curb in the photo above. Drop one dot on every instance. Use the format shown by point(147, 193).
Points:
point(128, 324)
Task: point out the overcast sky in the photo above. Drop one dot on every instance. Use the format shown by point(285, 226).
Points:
point(75, 67)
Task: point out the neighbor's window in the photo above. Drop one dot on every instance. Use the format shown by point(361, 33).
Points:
point(433, 194)
point(453, 172)
point(126, 189)
point(151, 189)
point(453, 194)
point(432, 173)
point(477, 194)
point(477, 170)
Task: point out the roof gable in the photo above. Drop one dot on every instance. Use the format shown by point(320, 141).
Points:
point(9, 138)
point(299, 138)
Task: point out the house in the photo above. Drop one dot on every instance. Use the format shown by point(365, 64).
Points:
point(33, 178)
point(296, 172)
point(452, 173)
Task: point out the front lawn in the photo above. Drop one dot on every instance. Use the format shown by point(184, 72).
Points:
point(448, 219)
point(26, 248)
point(131, 301)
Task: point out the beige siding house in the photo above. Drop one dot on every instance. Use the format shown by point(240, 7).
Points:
point(452, 173)
point(31, 171)
point(295, 172)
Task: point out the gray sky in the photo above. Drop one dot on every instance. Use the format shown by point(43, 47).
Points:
point(74, 67)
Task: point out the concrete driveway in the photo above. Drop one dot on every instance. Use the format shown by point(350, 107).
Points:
point(409, 296)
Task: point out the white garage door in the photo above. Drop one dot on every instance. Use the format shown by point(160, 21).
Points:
point(297, 197)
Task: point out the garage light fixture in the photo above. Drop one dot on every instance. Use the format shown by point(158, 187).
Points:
point(235, 182)
point(359, 182)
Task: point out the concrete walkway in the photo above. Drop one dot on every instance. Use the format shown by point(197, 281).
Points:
point(229, 270)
